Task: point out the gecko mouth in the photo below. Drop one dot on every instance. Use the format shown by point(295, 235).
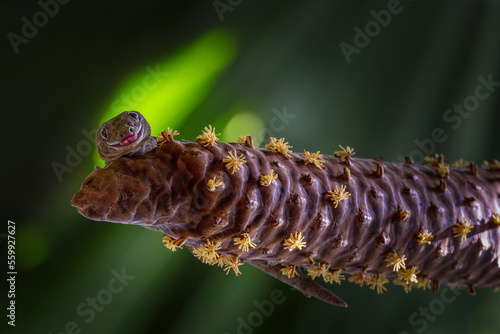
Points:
point(129, 139)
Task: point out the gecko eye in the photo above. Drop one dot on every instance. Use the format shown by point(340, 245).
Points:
point(134, 115)
point(104, 133)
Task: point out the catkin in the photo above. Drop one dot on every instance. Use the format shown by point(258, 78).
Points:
point(352, 213)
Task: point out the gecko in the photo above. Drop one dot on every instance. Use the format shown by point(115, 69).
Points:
point(233, 203)
point(124, 135)
point(129, 134)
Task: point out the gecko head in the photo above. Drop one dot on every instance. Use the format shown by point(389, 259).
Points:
point(122, 135)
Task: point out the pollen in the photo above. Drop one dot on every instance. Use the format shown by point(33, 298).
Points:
point(495, 218)
point(172, 243)
point(232, 263)
point(396, 261)
point(320, 270)
point(161, 140)
point(461, 228)
point(232, 161)
point(423, 283)
point(207, 253)
point(378, 281)
point(169, 243)
point(337, 195)
point(424, 237)
point(403, 215)
point(244, 242)
point(408, 275)
point(294, 241)
point(214, 183)
point(347, 174)
point(407, 287)
point(443, 170)
point(221, 260)
point(266, 180)
point(208, 138)
point(334, 276)
point(434, 161)
point(461, 163)
point(495, 165)
point(313, 158)
point(245, 140)
point(172, 132)
point(289, 271)
point(359, 278)
point(166, 136)
point(280, 146)
point(345, 152)
point(242, 140)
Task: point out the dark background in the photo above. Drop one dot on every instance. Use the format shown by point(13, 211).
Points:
point(261, 56)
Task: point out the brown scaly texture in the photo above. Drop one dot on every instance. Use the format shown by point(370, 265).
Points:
point(167, 191)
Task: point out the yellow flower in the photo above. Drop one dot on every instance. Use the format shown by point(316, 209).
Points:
point(434, 161)
point(337, 195)
point(172, 243)
point(443, 170)
point(207, 253)
point(316, 271)
point(244, 242)
point(408, 275)
point(424, 237)
point(378, 281)
point(243, 139)
point(313, 159)
point(234, 162)
point(208, 137)
point(395, 260)
point(231, 263)
point(322, 269)
point(461, 228)
point(359, 278)
point(213, 183)
point(423, 283)
point(294, 241)
point(406, 286)
point(345, 153)
point(289, 271)
point(403, 215)
point(495, 165)
point(280, 146)
point(166, 136)
point(266, 180)
point(334, 276)
point(461, 163)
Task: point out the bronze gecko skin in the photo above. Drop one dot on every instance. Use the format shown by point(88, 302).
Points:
point(288, 213)
point(126, 134)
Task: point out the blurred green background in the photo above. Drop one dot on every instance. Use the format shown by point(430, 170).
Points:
point(236, 65)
